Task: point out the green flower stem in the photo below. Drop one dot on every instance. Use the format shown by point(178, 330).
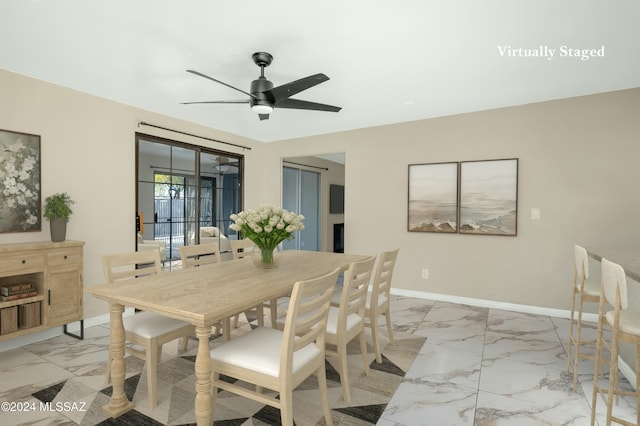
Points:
point(266, 256)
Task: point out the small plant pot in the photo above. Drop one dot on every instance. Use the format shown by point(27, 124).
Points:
point(58, 229)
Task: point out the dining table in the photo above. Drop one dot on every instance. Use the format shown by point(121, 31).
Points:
point(203, 296)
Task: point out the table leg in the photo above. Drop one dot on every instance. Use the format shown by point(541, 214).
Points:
point(118, 404)
point(203, 378)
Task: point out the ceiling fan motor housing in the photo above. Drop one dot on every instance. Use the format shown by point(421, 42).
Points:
point(258, 89)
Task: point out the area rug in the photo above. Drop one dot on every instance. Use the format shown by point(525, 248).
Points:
point(176, 392)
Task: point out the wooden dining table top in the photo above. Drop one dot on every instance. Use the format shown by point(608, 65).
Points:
point(202, 296)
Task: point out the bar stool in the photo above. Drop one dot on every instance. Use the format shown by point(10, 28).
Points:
point(585, 291)
point(625, 328)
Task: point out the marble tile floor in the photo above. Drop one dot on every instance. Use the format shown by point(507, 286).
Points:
point(450, 365)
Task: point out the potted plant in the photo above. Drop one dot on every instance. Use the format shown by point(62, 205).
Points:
point(57, 209)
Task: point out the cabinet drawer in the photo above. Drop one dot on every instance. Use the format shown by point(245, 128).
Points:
point(21, 263)
point(62, 257)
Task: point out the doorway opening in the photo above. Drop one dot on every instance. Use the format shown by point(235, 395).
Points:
point(301, 194)
point(307, 183)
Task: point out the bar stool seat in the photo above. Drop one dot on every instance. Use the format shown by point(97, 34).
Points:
point(591, 289)
point(629, 321)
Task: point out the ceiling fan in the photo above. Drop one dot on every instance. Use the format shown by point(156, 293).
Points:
point(263, 97)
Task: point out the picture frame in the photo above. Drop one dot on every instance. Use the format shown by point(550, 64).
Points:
point(433, 198)
point(489, 197)
point(20, 177)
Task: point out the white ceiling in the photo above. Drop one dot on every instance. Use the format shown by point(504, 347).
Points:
point(388, 62)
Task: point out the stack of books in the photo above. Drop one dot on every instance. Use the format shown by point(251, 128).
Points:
point(17, 291)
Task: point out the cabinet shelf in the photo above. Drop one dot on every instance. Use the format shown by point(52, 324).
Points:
point(22, 301)
point(55, 270)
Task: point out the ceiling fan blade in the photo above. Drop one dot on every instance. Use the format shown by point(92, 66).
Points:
point(221, 82)
point(289, 89)
point(263, 116)
point(239, 101)
point(299, 104)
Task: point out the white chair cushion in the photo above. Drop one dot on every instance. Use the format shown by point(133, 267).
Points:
point(332, 321)
point(629, 321)
point(150, 325)
point(381, 300)
point(591, 288)
point(259, 350)
point(337, 296)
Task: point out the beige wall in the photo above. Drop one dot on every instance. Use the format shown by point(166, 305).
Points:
point(88, 150)
point(578, 162)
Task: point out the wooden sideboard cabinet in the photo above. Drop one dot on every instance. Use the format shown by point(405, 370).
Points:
point(55, 270)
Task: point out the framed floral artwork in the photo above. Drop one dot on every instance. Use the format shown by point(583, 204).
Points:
point(433, 198)
point(489, 197)
point(19, 182)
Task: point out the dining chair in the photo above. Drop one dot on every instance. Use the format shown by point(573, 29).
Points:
point(280, 360)
point(199, 255)
point(244, 249)
point(585, 291)
point(378, 300)
point(146, 330)
point(625, 328)
point(347, 321)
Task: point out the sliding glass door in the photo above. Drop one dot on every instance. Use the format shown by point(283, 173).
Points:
point(185, 196)
point(301, 194)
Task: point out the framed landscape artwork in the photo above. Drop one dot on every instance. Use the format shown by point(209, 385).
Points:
point(489, 197)
point(19, 182)
point(433, 198)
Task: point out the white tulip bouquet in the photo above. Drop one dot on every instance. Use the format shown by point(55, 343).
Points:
point(267, 227)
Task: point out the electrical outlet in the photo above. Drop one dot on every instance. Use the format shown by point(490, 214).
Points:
point(425, 274)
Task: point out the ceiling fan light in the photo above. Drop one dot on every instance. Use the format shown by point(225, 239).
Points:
point(262, 109)
point(222, 168)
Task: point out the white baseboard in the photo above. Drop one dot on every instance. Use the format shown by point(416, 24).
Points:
point(484, 303)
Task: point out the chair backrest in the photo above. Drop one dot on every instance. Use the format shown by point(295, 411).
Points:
point(199, 255)
point(306, 320)
point(242, 248)
point(382, 277)
point(118, 267)
point(354, 290)
point(581, 266)
point(613, 280)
